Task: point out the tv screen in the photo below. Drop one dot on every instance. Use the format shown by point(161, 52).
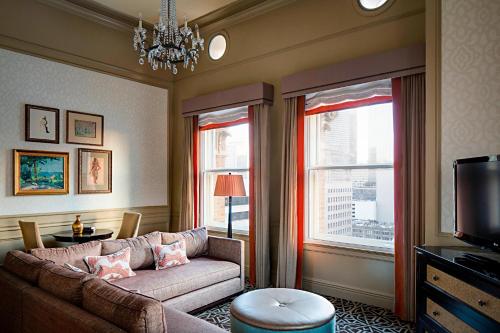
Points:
point(477, 201)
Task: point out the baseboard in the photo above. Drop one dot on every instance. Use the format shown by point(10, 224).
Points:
point(361, 295)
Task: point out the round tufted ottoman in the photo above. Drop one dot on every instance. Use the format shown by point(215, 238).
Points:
point(282, 310)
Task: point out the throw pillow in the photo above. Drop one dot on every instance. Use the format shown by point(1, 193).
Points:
point(170, 255)
point(72, 255)
point(111, 267)
point(73, 268)
point(196, 240)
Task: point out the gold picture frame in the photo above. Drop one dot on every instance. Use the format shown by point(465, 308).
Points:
point(38, 172)
point(95, 171)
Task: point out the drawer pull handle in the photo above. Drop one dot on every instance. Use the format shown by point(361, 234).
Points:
point(435, 313)
point(481, 302)
point(435, 277)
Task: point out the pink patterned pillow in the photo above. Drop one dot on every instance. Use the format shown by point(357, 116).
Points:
point(170, 255)
point(111, 267)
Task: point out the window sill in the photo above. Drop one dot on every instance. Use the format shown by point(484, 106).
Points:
point(224, 231)
point(349, 250)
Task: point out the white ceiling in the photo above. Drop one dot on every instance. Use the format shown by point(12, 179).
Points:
point(192, 9)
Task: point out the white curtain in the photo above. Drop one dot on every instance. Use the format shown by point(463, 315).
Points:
point(186, 218)
point(287, 248)
point(261, 145)
point(222, 116)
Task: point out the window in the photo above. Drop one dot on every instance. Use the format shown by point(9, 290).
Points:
point(217, 47)
point(224, 150)
point(371, 4)
point(349, 176)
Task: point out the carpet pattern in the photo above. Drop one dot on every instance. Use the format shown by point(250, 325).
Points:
point(352, 317)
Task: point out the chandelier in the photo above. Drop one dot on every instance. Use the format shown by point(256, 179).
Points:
point(169, 45)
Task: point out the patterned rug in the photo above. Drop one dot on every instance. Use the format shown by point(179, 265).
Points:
point(352, 317)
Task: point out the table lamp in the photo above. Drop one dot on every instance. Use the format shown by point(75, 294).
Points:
point(229, 186)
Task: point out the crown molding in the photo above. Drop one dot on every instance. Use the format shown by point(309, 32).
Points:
point(230, 14)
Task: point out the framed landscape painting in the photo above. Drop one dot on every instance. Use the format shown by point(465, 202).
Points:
point(84, 128)
point(95, 171)
point(41, 124)
point(40, 172)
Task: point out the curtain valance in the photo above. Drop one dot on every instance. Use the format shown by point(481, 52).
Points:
point(223, 116)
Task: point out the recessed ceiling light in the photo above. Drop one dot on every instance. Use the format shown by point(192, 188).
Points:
point(217, 47)
point(371, 4)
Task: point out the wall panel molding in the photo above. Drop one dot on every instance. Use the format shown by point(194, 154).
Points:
point(330, 288)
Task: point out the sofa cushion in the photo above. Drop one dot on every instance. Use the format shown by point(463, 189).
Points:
point(170, 255)
point(24, 265)
point(175, 281)
point(63, 282)
point(72, 255)
point(181, 322)
point(141, 255)
point(196, 240)
point(135, 313)
point(111, 267)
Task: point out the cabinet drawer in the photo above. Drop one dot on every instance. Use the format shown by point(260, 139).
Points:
point(478, 299)
point(449, 321)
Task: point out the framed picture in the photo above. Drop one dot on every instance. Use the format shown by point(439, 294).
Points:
point(40, 172)
point(84, 128)
point(41, 124)
point(95, 171)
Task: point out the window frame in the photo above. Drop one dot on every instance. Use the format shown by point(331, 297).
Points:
point(308, 239)
point(202, 173)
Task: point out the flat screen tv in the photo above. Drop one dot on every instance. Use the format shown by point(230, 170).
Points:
point(477, 201)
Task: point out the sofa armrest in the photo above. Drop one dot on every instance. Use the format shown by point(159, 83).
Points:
point(228, 249)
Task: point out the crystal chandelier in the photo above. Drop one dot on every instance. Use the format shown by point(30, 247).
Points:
point(170, 45)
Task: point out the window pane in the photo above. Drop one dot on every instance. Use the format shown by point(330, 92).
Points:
point(225, 148)
point(352, 206)
point(355, 136)
point(215, 209)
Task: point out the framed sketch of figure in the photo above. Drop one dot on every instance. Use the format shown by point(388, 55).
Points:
point(95, 171)
point(84, 128)
point(41, 124)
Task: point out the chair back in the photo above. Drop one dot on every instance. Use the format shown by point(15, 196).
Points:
point(130, 225)
point(31, 235)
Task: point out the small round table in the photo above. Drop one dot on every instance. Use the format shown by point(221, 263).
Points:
point(68, 236)
point(283, 310)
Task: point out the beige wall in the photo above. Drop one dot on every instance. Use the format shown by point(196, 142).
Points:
point(300, 36)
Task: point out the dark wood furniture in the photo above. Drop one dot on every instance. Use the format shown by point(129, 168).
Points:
point(68, 236)
point(456, 293)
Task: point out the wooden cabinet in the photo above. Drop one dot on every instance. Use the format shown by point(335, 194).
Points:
point(452, 297)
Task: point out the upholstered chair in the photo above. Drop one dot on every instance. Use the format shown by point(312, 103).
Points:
point(130, 225)
point(31, 235)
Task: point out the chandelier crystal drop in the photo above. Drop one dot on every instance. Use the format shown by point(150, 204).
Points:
point(170, 45)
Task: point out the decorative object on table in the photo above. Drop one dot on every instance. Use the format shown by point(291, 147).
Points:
point(229, 186)
point(84, 128)
point(130, 225)
point(280, 309)
point(40, 172)
point(169, 45)
point(89, 230)
point(70, 237)
point(77, 226)
point(95, 171)
point(41, 124)
point(31, 235)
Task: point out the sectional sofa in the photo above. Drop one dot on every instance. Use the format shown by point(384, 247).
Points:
point(39, 294)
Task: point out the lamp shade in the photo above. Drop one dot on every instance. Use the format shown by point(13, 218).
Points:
point(229, 186)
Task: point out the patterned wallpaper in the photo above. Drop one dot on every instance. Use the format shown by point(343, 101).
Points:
point(470, 114)
point(135, 120)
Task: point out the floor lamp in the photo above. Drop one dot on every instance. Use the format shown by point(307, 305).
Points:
point(229, 186)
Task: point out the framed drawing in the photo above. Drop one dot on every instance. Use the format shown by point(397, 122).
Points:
point(40, 172)
point(41, 124)
point(84, 128)
point(95, 171)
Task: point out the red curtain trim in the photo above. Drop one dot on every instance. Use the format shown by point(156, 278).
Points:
point(349, 105)
point(195, 169)
point(225, 124)
point(399, 289)
point(252, 197)
point(301, 105)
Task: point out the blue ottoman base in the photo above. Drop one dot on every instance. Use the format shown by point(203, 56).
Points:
point(241, 327)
